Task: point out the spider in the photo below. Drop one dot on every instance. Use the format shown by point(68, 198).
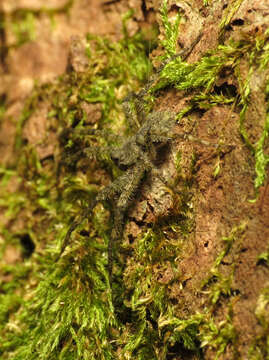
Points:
point(136, 157)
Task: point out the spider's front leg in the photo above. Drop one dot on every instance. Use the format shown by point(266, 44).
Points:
point(83, 143)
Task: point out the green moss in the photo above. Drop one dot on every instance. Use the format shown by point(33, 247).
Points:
point(171, 30)
point(202, 77)
point(218, 284)
point(69, 307)
point(231, 10)
point(257, 60)
point(69, 315)
point(155, 328)
point(219, 336)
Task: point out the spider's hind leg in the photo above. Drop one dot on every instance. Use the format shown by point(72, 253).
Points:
point(73, 227)
point(126, 186)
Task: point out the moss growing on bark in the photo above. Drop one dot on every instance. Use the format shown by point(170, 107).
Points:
point(62, 309)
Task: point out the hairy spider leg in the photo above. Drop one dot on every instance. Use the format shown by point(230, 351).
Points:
point(130, 182)
point(75, 224)
point(131, 115)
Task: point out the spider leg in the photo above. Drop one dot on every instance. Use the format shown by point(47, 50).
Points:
point(105, 194)
point(78, 133)
point(83, 146)
point(131, 109)
point(129, 182)
point(90, 152)
point(74, 225)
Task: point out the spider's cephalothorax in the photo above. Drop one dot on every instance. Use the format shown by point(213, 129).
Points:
point(156, 131)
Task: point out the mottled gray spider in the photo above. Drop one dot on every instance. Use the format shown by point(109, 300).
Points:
point(136, 156)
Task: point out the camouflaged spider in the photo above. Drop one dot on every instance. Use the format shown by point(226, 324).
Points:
point(136, 157)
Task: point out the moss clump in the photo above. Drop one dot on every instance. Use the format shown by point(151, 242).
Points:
point(202, 77)
point(222, 285)
point(171, 31)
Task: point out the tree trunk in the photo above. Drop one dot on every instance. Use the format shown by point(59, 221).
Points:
point(182, 205)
